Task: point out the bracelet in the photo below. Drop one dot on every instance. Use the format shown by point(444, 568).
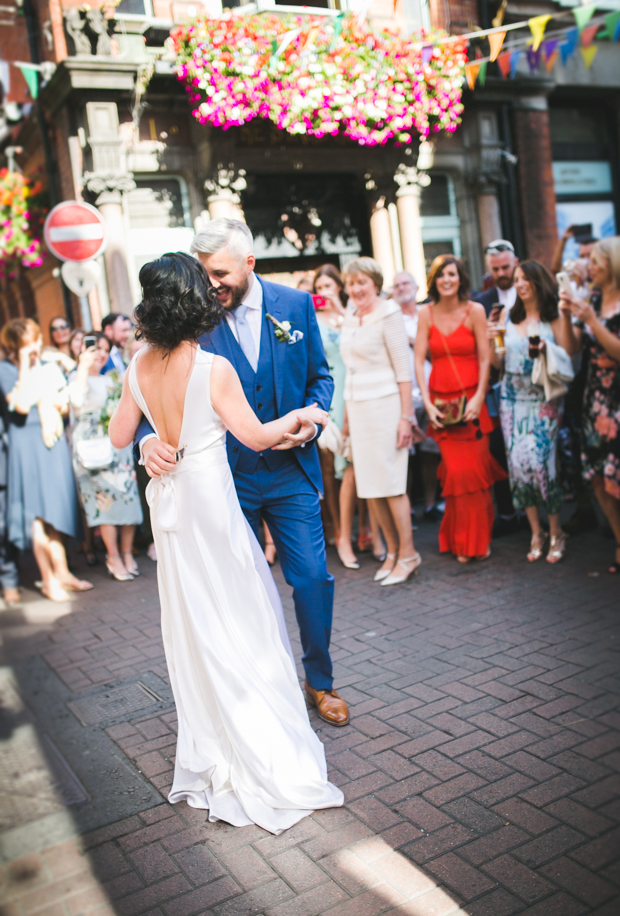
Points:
point(409, 419)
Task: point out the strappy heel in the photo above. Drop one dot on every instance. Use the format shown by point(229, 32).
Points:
point(384, 573)
point(557, 547)
point(536, 546)
point(126, 577)
point(409, 564)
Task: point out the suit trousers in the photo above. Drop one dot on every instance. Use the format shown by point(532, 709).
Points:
point(289, 504)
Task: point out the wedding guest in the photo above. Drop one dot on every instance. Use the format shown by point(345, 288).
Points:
point(329, 302)
point(454, 329)
point(60, 335)
point(379, 411)
point(117, 329)
point(405, 292)
point(598, 332)
point(75, 343)
point(501, 261)
point(530, 422)
point(107, 481)
point(9, 575)
point(43, 503)
point(586, 246)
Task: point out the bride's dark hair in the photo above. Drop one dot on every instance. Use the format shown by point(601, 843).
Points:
point(178, 301)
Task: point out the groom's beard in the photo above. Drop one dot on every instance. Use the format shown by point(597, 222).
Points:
point(236, 292)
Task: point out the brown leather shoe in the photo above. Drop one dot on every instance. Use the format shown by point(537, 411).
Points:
point(330, 707)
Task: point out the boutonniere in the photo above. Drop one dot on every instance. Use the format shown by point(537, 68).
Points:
point(283, 331)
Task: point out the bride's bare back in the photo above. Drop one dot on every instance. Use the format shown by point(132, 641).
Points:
point(163, 380)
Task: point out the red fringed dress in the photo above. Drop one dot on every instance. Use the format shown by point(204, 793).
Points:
point(467, 470)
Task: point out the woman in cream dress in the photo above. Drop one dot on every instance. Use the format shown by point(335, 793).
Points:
point(379, 411)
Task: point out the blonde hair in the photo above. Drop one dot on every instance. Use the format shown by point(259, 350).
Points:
point(16, 331)
point(610, 250)
point(367, 266)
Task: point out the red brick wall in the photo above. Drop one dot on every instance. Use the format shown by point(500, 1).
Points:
point(532, 139)
point(456, 16)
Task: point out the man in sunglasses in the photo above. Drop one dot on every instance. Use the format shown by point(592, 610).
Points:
point(501, 262)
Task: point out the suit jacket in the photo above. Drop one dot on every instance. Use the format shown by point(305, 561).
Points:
point(301, 372)
point(488, 299)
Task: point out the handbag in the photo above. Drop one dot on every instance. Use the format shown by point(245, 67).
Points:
point(552, 373)
point(95, 454)
point(453, 408)
point(331, 438)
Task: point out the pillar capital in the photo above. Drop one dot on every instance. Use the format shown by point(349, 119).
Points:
point(410, 180)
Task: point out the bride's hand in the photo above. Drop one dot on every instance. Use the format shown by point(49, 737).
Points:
point(307, 429)
point(159, 457)
point(314, 413)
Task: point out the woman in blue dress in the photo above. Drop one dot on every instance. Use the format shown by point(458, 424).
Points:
point(529, 422)
point(42, 498)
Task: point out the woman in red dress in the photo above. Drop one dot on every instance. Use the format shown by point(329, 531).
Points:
point(454, 330)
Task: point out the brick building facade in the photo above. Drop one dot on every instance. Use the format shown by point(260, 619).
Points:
point(532, 152)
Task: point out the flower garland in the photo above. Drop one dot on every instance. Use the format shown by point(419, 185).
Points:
point(319, 76)
point(18, 245)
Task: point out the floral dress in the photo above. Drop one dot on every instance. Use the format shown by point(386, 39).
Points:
point(530, 426)
point(331, 344)
point(601, 413)
point(110, 496)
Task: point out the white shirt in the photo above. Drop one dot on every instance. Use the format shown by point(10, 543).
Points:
point(507, 297)
point(411, 327)
point(254, 301)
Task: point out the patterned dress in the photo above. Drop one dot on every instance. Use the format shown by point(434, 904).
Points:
point(601, 414)
point(530, 426)
point(110, 496)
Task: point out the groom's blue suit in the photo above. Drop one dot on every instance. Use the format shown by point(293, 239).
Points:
point(284, 487)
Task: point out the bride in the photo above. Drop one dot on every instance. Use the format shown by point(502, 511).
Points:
point(245, 748)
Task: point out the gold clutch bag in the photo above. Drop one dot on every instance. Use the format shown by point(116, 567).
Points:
point(453, 410)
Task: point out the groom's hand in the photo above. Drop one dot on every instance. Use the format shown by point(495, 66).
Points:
point(159, 457)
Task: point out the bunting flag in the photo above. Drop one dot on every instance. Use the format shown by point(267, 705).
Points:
point(31, 75)
point(427, 53)
point(549, 47)
point(482, 75)
point(537, 27)
point(588, 55)
point(515, 57)
point(287, 38)
point(569, 45)
point(550, 62)
point(312, 37)
point(588, 35)
point(582, 15)
point(612, 26)
point(533, 58)
point(471, 73)
point(496, 40)
point(503, 62)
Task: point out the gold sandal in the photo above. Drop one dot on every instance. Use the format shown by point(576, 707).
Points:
point(536, 546)
point(557, 547)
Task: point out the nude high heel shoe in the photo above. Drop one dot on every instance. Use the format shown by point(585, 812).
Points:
point(384, 573)
point(409, 565)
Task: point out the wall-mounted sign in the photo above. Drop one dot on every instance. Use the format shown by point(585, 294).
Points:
point(582, 178)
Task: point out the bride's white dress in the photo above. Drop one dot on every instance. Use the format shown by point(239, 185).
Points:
point(245, 749)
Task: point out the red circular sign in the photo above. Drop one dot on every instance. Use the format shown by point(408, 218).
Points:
point(75, 231)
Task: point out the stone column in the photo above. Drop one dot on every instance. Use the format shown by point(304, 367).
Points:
point(110, 203)
point(408, 204)
point(381, 236)
point(532, 145)
point(225, 185)
point(489, 218)
point(221, 204)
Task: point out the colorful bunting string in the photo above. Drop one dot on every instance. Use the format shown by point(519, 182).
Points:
point(503, 62)
point(515, 57)
point(612, 25)
point(582, 15)
point(537, 25)
point(496, 40)
point(588, 55)
point(588, 35)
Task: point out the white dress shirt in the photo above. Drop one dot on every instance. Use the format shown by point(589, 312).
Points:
point(507, 297)
point(254, 315)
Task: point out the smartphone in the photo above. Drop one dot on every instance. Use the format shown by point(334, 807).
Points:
point(564, 283)
point(582, 231)
point(89, 342)
point(320, 302)
point(496, 311)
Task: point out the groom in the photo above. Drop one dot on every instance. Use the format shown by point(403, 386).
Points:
point(281, 368)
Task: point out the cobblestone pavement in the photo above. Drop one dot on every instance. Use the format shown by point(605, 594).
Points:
point(480, 769)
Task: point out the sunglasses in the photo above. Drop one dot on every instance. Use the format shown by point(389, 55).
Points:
point(498, 249)
point(476, 422)
point(60, 327)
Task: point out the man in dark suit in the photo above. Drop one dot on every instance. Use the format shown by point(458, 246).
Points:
point(501, 262)
point(271, 336)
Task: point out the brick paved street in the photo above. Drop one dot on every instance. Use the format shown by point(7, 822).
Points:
point(481, 768)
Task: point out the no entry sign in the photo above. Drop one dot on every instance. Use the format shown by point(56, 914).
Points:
point(75, 231)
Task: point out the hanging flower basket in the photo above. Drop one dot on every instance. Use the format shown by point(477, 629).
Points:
point(18, 244)
point(320, 76)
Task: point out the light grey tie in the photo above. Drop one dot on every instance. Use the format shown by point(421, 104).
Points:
point(246, 341)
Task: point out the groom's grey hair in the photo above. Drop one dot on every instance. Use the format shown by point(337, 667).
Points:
point(224, 233)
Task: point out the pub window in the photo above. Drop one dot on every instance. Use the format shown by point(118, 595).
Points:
point(141, 9)
point(441, 226)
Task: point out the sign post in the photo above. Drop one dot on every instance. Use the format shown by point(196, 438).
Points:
point(75, 232)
